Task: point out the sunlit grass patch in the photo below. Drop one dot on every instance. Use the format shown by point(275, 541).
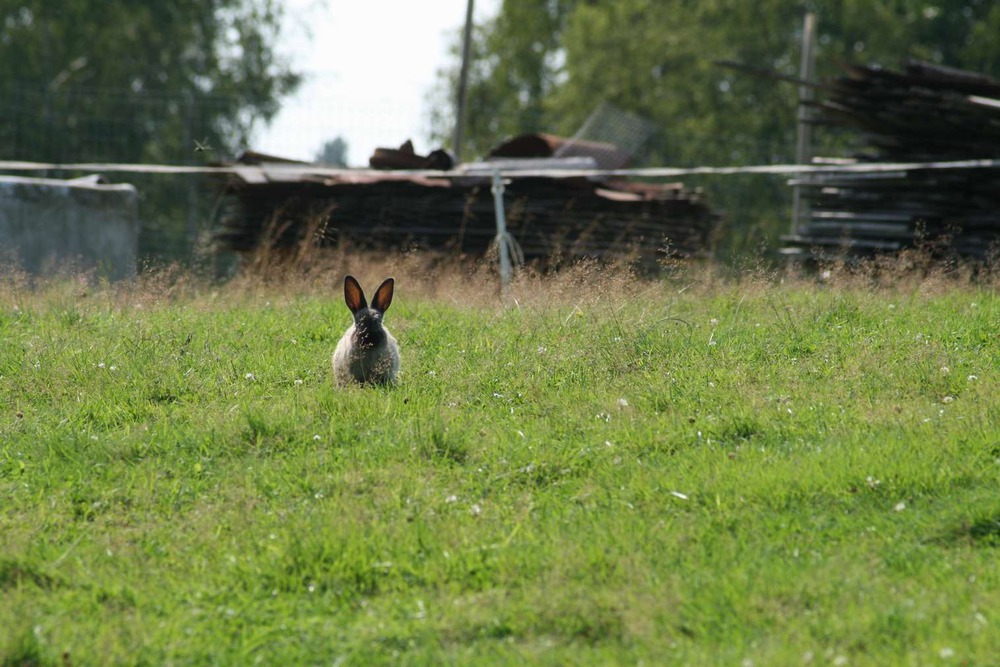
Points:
point(603, 469)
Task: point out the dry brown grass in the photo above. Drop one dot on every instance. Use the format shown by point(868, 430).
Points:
point(435, 276)
point(929, 267)
point(475, 283)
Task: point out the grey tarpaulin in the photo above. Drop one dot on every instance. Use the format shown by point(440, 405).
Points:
point(49, 225)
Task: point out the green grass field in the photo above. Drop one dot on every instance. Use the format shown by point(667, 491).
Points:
point(606, 471)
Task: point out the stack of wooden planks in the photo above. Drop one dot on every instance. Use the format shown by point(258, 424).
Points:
point(272, 202)
point(926, 114)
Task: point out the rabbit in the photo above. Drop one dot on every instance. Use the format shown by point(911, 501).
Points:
point(367, 353)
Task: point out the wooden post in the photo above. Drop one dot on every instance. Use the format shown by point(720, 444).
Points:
point(192, 183)
point(463, 84)
point(802, 152)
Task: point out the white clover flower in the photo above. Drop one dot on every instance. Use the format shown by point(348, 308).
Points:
point(298, 382)
point(451, 499)
point(899, 507)
point(249, 376)
point(947, 399)
point(972, 378)
point(622, 403)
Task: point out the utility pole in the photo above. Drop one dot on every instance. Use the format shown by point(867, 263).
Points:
point(463, 83)
point(802, 137)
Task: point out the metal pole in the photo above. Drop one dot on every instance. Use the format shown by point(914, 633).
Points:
point(502, 240)
point(802, 137)
point(463, 84)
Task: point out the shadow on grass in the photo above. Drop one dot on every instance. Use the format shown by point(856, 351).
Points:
point(983, 532)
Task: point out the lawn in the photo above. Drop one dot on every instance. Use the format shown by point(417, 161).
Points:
point(603, 470)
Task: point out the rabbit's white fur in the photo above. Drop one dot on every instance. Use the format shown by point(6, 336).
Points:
point(367, 353)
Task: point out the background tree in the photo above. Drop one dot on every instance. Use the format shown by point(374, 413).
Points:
point(515, 66)
point(333, 152)
point(125, 81)
point(655, 58)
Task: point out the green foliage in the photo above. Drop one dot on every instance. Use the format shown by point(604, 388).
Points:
point(136, 82)
point(150, 77)
point(545, 66)
point(673, 471)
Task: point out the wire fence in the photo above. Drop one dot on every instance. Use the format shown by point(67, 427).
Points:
point(171, 140)
point(163, 145)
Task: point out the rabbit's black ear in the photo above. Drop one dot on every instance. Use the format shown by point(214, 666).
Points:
point(354, 295)
point(383, 295)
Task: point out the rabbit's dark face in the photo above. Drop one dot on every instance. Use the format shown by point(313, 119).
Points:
point(368, 331)
point(368, 327)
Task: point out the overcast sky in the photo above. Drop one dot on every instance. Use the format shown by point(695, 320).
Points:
point(369, 65)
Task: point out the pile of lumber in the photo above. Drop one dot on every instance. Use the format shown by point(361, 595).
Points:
point(283, 205)
point(926, 114)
